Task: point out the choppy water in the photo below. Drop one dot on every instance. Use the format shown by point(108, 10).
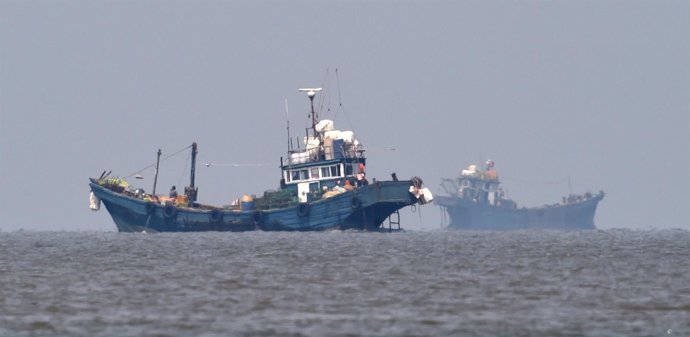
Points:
point(549, 283)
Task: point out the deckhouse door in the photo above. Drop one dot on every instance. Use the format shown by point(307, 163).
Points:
point(303, 191)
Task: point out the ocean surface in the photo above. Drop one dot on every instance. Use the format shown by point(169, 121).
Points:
point(414, 283)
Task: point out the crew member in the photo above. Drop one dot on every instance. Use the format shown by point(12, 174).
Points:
point(173, 192)
point(361, 177)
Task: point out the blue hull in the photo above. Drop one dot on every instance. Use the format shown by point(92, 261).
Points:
point(466, 214)
point(365, 208)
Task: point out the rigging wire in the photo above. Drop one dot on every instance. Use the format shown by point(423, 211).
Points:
point(535, 182)
point(184, 169)
point(154, 164)
point(340, 102)
point(327, 98)
point(235, 164)
point(340, 99)
point(323, 85)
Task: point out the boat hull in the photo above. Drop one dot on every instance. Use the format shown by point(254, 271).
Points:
point(466, 214)
point(365, 208)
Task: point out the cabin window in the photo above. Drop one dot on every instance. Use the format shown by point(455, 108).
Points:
point(304, 174)
point(335, 171)
point(325, 172)
point(315, 173)
point(349, 169)
point(295, 175)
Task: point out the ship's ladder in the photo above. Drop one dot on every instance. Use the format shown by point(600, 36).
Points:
point(394, 219)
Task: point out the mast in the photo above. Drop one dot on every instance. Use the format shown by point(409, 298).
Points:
point(191, 191)
point(311, 92)
point(193, 169)
point(155, 178)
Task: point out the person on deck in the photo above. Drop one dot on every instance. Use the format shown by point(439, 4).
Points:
point(338, 188)
point(361, 178)
point(173, 192)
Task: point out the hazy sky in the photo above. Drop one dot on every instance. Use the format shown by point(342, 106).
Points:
point(594, 91)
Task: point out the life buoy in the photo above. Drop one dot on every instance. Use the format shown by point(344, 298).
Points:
point(169, 211)
point(355, 202)
point(150, 207)
point(257, 217)
point(215, 215)
point(303, 210)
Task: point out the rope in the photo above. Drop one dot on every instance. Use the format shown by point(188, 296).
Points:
point(184, 170)
point(234, 164)
point(154, 164)
point(534, 182)
point(340, 103)
point(325, 89)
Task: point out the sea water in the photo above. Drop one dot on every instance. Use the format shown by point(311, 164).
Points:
point(414, 283)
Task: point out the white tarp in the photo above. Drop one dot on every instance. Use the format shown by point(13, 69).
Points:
point(324, 125)
point(311, 142)
point(299, 157)
point(333, 134)
point(347, 136)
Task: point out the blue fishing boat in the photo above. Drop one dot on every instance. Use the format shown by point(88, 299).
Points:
point(475, 201)
point(322, 186)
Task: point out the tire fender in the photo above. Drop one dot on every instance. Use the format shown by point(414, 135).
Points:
point(215, 215)
point(257, 218)
point(303, 210)
point(355, 202)
point(169, 211)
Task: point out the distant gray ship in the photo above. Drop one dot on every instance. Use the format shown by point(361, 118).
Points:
point(475, 201)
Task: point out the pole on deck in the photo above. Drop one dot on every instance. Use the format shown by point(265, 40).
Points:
point(155, 179)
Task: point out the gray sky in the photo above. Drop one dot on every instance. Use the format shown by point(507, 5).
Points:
point(594, 91)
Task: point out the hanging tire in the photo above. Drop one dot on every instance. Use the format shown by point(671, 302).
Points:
point(169, 211)
point(303, 210)
point(215, 215)
point(257, 218)
point(150, 207)
point(355, 202)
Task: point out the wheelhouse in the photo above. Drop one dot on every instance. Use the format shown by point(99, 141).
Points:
point(310, 178)
point(329, 159)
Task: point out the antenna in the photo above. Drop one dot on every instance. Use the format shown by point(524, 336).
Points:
point(311, 92)
point(287, 117)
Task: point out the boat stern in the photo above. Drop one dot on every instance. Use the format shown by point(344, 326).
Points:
point(376, 202)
